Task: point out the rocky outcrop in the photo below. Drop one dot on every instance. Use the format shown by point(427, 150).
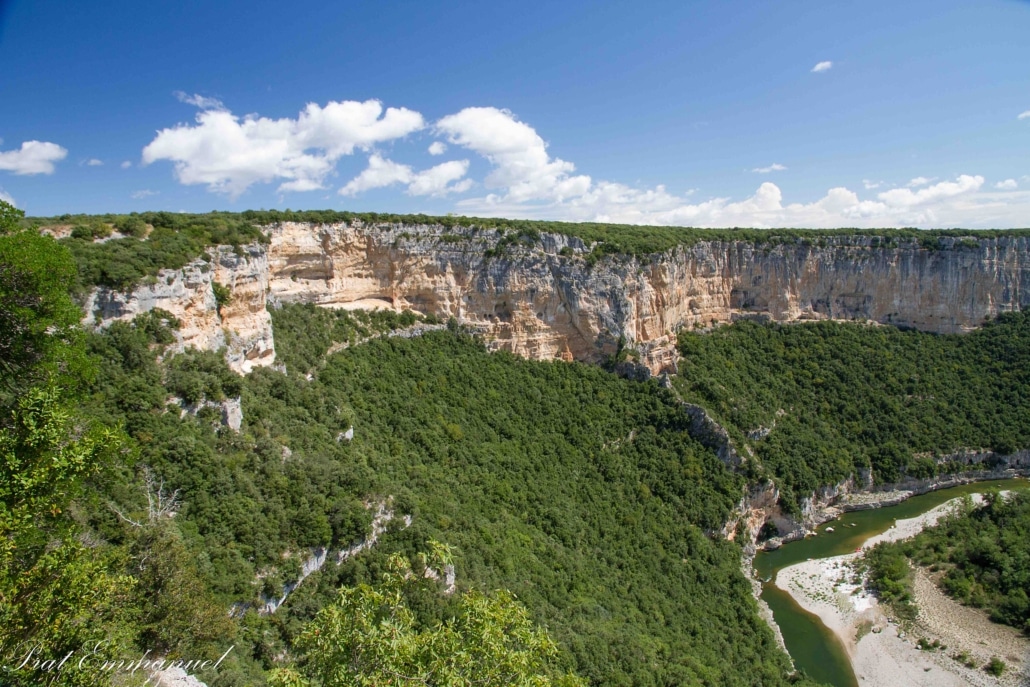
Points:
point(712, 435)
point(381, 519)
point(174, 677)
point(242, 327)
point(547, 299)
point(762, 505)
point(230, 409)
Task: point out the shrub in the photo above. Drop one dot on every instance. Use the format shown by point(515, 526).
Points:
point(223, 295)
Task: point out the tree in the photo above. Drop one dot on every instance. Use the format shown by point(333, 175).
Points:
point(10, 217)
point(57, 595)
point(178, 614)
point(39, 333)
point(370, 637)
point(223, 295)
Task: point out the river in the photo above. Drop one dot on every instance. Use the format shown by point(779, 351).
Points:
point(814, 648)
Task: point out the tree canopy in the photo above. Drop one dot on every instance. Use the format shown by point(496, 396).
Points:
point(369, 637)
point(57, 594)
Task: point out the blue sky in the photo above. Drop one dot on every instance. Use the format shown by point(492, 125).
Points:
point(691, 113)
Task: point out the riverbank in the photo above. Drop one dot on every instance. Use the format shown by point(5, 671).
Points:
point(840, 500)
point(881, 652)
point(885, 498)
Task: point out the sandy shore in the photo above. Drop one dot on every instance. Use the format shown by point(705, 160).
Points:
point(882, 653)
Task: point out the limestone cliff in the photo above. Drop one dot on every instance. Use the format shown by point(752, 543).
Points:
point(243, 326)
point(546, 300)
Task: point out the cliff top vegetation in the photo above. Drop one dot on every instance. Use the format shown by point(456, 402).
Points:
point(605, 239)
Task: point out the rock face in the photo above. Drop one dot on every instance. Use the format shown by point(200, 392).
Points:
point(545, 300)
point(243, 327)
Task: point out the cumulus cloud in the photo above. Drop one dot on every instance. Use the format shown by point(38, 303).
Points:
point(145, 193)
point(93, 162)
point(34, 157)
point(919, 181)
point(949, 203)
point(822, 67)
point(126, 164)
point(435, 181)
point(522, 169)
point(1007, 185)
point(1024, 115)
point(228, 154)
point(527, 182)
point(379, 173)
point(906, 197)
point(774, 167)
point(197, 100)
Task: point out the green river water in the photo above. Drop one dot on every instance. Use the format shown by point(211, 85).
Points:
point(814, 648)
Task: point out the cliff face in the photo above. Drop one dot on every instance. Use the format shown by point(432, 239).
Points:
point(546, 301)
point(243, 327)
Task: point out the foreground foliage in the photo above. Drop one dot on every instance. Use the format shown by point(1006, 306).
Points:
point(57, 594)
point(370, 637)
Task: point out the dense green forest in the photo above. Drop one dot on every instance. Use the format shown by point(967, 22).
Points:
point(582, 493)
point(576, 507)
point(980, 555)
point(100, 568)
point(177, 238)
point(835, 397)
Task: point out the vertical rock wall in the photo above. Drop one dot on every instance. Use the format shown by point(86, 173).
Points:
point(546, 300)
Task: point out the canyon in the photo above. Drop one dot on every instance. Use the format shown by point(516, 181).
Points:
point(551, 297)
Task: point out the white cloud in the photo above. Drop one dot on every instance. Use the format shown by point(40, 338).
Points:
point(93, 162)
point(7, 198)
point(957, 203)
point(197, 100)
point(919, 181)
point(522, 168)
point(1007, 185)
point(822, 67)
point(228, 153)
point(774, 167)
point(435, 181)
point(437, 148)
point(1024, 115)
point(145, 193)
point(905, 197)
point(126, 164)
point(379, 173)
point(34, 157)
point(527, 182)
